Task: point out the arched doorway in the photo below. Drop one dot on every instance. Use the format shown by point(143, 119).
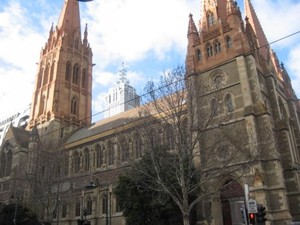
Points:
point(233, 203)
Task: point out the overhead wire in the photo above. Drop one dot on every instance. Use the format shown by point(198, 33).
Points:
point(161, 87)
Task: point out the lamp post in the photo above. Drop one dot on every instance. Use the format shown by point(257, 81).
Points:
point(83, 220)
point(107, 205)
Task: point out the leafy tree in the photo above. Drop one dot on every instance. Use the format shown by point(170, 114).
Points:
point(21, 215)
point(145, 206)
point(141, 201)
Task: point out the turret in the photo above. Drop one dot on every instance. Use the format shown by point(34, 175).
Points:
point(193, 39)
point(64, 80)
point(233, 13)
point(33, 148)
point(264, 48)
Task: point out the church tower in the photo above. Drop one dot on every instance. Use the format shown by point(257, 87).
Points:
point(231, 69)
point(63, 87)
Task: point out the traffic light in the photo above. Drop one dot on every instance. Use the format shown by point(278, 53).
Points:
point(252, 218)
point(260, 215)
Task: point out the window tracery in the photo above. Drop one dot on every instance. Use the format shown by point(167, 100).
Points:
point(76, 74)
point(199, 55)
point(217, 47)
point(68, 71)
point(6, 161)
point(214, 107)
point(210, 19)
point(209, 50)
point(228, 42)
point(74, 106)
point(229, 103)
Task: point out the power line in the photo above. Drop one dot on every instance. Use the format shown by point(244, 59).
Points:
point(175, 81)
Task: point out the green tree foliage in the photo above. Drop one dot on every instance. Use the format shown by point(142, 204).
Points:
point(141, 199)
point(23, 215)
point(143, 207)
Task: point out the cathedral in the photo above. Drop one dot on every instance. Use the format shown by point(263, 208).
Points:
point(66, 167)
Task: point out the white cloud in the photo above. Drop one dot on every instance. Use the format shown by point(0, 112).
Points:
point(20, 46)
point(120, 30)
point(278, 19)
point(130, 29)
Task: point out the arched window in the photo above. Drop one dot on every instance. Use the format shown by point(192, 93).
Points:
point(84, 79)
point(65, 167)
point(6, 161)
point(124, 150)
point(64, 210)
point(77, 208)
point(209, 50)
point(214, 107)
point(52, 71)
point(153, 139)
point(282, 112)
point(228, 42)
point(137, 146)
point(218, 81)
point(111, 154)
point(3, 164)
point(100, 155)
point(46, 75)
point(184, 130)
point(86, 160)
point(76, 162)
point(217, 47)
point(74, 106)
point(68, 71)
point(104, 204)
point(229, 103)
point(89, 205)
point(76, 74)
point(199, 56)
point(210, 18)
point(170, 137)
point(118, 205)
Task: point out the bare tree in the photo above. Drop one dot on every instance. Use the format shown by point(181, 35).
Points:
point(204, 143)
point(46, 180)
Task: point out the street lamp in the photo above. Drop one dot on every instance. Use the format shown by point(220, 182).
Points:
point(91, 185)
point(83, 220)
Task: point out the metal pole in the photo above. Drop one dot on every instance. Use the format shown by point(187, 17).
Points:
point(106, 205)
point(109, 208)
point(15, 214)
point(57, 216)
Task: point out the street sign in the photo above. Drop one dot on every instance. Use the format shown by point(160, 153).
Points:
point(252, 206)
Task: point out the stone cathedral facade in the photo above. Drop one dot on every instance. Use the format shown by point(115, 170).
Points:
point(81, 161)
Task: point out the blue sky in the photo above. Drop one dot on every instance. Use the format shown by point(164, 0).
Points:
point(149, 36)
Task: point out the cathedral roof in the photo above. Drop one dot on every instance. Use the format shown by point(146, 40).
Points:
point(19, 135)
point(102, 128)
point(70, 16)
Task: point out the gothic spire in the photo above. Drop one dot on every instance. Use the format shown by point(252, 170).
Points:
point(85, 41)
point(258, 30)
point(192, 29)
point(232, 7)
point(70, 17)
